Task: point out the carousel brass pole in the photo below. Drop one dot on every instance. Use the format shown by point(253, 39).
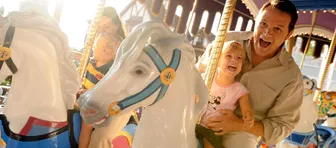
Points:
point(219, 42)
point(327, 65)
point(309, 38)
point(291, 43)
point(90, 39)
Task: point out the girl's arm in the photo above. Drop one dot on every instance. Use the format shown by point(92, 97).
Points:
point(85, 135)
point(247, 111)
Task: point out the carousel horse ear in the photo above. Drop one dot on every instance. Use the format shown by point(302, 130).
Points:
point(152, 32)
point(140, 35)
point(315, 83)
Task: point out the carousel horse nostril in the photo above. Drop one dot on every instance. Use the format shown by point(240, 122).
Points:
point(90, 112)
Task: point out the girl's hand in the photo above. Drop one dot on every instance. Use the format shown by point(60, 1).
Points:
point(80, 92)
point(248, 121)
point(226, 123)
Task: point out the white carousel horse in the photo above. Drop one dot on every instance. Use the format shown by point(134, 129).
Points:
point(44, 85)
point(304, 130)
point(154, 68)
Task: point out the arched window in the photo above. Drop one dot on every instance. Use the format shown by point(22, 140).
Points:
point(249, 25)
point(179, 10)
point(239, 24)
point(298, 44)
point(204, 19)
point(215, 25)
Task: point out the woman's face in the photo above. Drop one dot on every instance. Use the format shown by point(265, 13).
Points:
point(105, 48)
point(107, 26)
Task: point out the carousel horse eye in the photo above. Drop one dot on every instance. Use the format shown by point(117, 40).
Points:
point(328, 97)
point(138, 72)
point(307, 84)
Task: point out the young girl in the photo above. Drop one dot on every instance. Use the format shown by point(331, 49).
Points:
point(226, 93)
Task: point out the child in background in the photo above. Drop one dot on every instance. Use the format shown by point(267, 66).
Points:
point(104, 52)
point(110, 34)
point(225, 93)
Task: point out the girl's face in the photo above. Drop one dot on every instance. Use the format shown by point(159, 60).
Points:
point(107, 26)
point(105, 48)
point(231, 62)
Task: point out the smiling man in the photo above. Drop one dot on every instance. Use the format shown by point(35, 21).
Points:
point(272, 78)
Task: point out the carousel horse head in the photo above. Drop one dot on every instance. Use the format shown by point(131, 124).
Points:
point(35, 51)
point(309, 86)
point(150, 62)
point(154, 68)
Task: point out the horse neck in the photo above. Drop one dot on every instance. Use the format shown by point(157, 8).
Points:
point(331, 122)
point(308, 115)
point(35, 89)
point(173, 115)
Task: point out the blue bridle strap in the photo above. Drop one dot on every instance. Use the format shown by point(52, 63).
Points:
point(158, 82)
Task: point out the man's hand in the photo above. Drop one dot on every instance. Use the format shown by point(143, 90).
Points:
point(226, 123)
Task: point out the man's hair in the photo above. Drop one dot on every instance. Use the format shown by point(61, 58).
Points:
point(285, 6)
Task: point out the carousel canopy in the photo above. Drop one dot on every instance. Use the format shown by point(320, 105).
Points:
point(315, 4)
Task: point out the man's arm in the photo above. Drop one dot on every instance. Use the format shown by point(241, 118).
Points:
point(283, 116)
point(257, 129)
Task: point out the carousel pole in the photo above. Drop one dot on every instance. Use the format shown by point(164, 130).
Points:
point(90, 39)
point(327, 65)
point(309, 38)
point(291, 43)
point(219, 42)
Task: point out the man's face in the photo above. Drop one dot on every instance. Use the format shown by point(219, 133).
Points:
point(271, 30)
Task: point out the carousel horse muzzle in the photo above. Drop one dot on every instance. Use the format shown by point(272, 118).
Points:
point(6, 52)
point(166, 77)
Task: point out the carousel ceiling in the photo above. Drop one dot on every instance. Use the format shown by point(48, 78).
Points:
point(315, 4)
point(325, 18)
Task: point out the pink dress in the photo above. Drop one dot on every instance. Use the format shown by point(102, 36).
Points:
point(223, 97)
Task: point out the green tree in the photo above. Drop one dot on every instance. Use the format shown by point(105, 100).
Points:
point(7, 81)
point(311, 48)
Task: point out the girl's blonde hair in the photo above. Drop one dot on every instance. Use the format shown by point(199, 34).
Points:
point(234, 46)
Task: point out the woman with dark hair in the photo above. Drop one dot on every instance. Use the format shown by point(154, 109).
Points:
point(110, 23)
